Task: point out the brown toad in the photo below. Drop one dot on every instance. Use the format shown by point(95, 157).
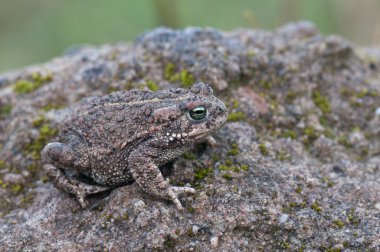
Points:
point(125, 136)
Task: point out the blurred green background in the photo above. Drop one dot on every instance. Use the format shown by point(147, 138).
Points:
point(33, 31)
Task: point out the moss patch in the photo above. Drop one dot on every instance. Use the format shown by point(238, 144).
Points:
point(152, 85)
point(230, 165)
point(35, 81)
point(310, 135)
point(169, 72)
point(234, 150)
point(316, 207)
point(227, 176)
point(46, 133)
point(51, 107)
point(236, 116)
point(263, 149)
point(5, 110)
point(322, 102)
point(338, 223)
point(289, 133)
point(184, 77)
point(202, 173)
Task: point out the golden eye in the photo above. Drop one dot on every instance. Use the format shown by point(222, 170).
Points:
point(198, 113)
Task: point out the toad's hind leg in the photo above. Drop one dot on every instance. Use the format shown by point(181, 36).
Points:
point(56, 155)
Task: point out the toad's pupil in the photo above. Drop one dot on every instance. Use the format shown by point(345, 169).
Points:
point(198, 113)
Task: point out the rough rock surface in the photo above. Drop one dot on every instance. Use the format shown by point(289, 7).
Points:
point(297, 166)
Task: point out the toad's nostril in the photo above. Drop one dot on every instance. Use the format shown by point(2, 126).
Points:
point(220, 110)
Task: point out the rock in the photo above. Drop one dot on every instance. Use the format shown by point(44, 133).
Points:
point(296, 167)
point(214, 241)
point(283, 218)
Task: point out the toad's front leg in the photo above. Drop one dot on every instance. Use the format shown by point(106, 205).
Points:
point(149, 178)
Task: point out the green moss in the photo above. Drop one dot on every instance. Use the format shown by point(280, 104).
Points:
point(289, 133)
point(328, 182)
point(24, 86)
point(227, 176)
point(5, 110)
point(186, 78)
point(292, 204)
point(35, 146)
point(282, 155)
point(236, 116)
point(266, 84)
point(28, 86)
point(38, 122)
point(109, 217)
point(338, 223)
point(329, 133)
point(44, 179)
point(323, 121)
point(364, 152)
point(129, 86)
point(189, 155)
point(235, 104)
point(234, 150)
point(332, 250)
point(2, 164)
point(311, 135)
point(244, 167)
point(290, 96)
point(352, 218)
point(51, 107)
point(227, 167)
point(152, 85)
point(299, 189)
point(3, 185)
point(113, 89)
point(343, 140)
point(169, 72)
point(33, 168)
point(169, 242)
point(201, 174)
point(191, 210)
point(284, 245)
point(367, 93)
point(16, 188)
point(321, 102)
point(316, 207)
point(263, 149)
point(39, 78)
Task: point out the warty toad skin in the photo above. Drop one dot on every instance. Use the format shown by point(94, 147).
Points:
point(125, 136)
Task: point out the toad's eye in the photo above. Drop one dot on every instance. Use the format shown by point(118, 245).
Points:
point(198, 113)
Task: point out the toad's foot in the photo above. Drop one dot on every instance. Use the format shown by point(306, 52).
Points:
point(82, 190)
point(180, 190)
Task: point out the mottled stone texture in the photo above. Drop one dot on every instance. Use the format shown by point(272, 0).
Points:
point(296, 167)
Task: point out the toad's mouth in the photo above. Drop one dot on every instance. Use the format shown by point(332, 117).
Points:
point(202, 133)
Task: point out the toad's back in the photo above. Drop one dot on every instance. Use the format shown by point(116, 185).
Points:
point(120, 118)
